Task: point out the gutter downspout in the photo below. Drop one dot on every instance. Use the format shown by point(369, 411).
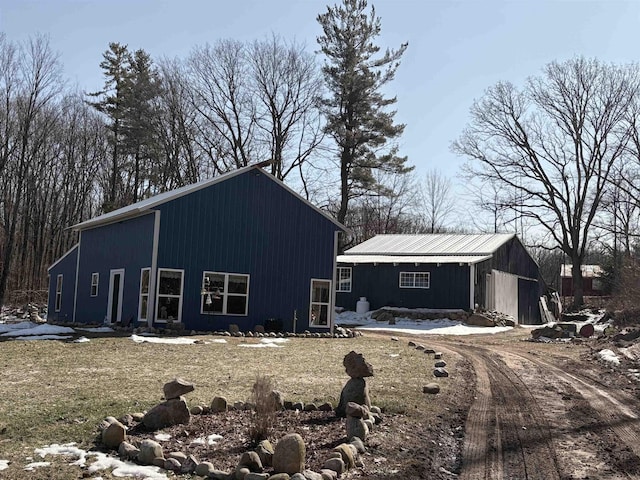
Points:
point(332, 304)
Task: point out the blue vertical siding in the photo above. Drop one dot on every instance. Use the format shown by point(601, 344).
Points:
point(127, 245)
point(247, 224)
point(449, 286)
point(66, 267)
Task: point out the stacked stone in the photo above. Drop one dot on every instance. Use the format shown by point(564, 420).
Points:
point(173, 410)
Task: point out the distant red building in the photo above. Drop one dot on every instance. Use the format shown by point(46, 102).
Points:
point(592, 285)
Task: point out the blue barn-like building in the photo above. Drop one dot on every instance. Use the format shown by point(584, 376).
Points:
point(442, 271)
point(241, 248)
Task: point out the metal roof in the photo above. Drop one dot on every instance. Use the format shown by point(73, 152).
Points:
point(145, 206)
point(436, 244)
point(416, 259)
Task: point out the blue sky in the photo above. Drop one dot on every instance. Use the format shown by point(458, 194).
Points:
point(457, 48)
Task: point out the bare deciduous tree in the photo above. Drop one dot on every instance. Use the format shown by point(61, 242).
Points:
point(551, 146)
point(436, 201)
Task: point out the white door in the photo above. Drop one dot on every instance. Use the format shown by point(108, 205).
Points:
point(505, 293)
point(116, 289)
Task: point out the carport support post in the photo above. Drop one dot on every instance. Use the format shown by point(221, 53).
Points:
point(472, 278)
point(332, 305)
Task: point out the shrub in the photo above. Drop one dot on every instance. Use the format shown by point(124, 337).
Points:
point(263, 417)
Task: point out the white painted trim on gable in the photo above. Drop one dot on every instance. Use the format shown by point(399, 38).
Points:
point(63, 256)
point(75, 293)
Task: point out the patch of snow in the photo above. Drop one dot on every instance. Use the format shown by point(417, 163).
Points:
point(39, 330)
point(259, 345)
point(217, 340)
point(173, 341)
point(213, 438)
point(274, 340)
point(162, 437)
point(16, 326)
point(199, 441)
point(81, 340)
point(96, 329)
point(102, 462)
point(442, 326)
point(394, 355)
point(30, 467)
point(43, 337)
point(608, 356)
point(4, 464)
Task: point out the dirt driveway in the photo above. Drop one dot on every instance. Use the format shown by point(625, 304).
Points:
point(545, 411)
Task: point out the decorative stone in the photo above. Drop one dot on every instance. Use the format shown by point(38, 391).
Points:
point(234, 329)
point(358, 444)
point(298, 406)
point(335, 464)
point(440, 364)
point(166, 414)
point(375, 409)
point(252, 461)
point(311, 475)
point(355, 390)
point(204, 469)
point(137, 417)
point(328, 474)
point(395, 339)
point(348, 457)
point(128, 451)
point(325, 407)
point(277, 400)
point(437, 355)
point(189, 464)
point(431, 388)
point(356, 366)
point(257, 476)
point(440, 372)
point(218, 404)
point(289, 454)
point(172, 464)
point(356, 427)
point(420, 347)
point(298, 476)
point(197, 410)
point(181, 457)
point(265, 452)
point(310, 407)
point(280, 476)
point(176, 388)
point(356, 410)
point(412, 343)
point(149, 450)
point(429, 351)
point(241, 472)
point(114, 434)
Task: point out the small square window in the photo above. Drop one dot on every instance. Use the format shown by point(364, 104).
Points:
point(95, 278)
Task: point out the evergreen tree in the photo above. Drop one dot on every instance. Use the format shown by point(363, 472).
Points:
point(356, 110)
point(111, 101)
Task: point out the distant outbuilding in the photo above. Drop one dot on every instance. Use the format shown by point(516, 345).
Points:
point(442, 271)
point(241, 248)
point(592, 281)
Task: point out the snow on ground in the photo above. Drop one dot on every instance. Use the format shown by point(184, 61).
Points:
point(170, 340)
point(210, 440)
point(101, 462)
point(30, 467)
point(7, 327)
point(81, 340)
point(44, 329)
point(96, 329)
point(266, 342)
point(608, 356)
point(4, 464)
point(162, 437)
point(443, 326)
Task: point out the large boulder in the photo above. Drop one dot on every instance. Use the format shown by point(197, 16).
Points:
point(355, 390)
point(289, 455)
point(219, 404)
point(114, 433)
point(176, 388)
point(356, 365)
point(166, 414)
point(149, 451)
point(356, 427)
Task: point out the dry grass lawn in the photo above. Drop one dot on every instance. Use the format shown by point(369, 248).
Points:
point(58, 392)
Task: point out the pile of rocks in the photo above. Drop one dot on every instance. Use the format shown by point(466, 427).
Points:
point(389, 314)
point(487, 318)
point(285, 461)
point(31, 311)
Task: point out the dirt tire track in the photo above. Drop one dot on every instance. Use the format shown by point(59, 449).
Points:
point(517, 443)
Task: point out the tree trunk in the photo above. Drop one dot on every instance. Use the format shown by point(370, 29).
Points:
point(578, 287)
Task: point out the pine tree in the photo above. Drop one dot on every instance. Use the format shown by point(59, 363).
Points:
point(356, 110)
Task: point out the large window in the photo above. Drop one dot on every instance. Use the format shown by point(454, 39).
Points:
point(95, 278)
point(58, 293)
point(225, 293)
point(169, 303)
point(319, 305)
point(143, 307)
point(344, 279)
point(415, 279)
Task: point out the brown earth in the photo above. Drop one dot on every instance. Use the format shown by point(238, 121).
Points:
point(518, 410)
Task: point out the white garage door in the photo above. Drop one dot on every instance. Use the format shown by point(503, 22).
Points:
point(502, 293)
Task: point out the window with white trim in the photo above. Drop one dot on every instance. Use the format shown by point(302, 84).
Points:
point(319, 304)
point(95, 278)
point(58, 293)
point(415, 279)
point(143, 306)
point(344, 279)
point(224, 293)
point(169, 303)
